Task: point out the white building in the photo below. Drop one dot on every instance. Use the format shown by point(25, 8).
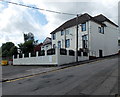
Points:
point(46, 44)
point(98, 35)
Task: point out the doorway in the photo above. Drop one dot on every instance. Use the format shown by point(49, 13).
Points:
point(100, 53)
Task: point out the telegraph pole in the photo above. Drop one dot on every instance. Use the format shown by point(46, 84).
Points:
point(77, 38)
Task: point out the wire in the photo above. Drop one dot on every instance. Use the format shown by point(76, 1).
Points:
point(37, 8)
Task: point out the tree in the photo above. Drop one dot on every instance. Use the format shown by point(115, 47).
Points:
point(27, 46)
point(8, 49)
point(13, 51)
point(21, 48)
point(29, 43)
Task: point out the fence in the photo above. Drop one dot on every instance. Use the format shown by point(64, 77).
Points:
point(50, 57)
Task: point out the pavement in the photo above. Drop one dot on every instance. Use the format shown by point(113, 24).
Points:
point(27, 73)
point(8, 76)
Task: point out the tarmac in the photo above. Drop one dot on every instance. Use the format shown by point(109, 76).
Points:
point(38, 71)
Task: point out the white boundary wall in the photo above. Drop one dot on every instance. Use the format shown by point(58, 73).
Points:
point(56, 59)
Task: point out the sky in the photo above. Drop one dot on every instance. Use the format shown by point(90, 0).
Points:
point(16, 20)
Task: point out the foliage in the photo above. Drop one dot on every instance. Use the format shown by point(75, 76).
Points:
point(8, 49)
point(27, 46)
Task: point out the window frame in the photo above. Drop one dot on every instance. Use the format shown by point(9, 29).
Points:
point(83, 27)
point(101, 30)
point(59, 44)
point(54, 36)
point(67, 32)
point(62, 32)
point(67, 43)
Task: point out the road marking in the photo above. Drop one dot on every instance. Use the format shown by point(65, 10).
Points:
point(29, 76)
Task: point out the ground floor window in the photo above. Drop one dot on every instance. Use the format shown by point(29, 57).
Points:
point(59, 44)
point(67, 43)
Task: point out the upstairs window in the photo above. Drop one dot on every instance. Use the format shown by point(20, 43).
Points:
point(54, 36)
point(67, 31)
point(67, 43)
point(62, 32)
point(101, 30)
point(83, 27)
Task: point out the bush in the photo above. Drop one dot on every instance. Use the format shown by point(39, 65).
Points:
point(15, 56)
point(20, 55)
point(33, 54)
point(26, 55)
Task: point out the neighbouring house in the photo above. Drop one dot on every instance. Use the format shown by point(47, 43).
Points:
point(47, 44)
point(97, 36)
point(38, 47)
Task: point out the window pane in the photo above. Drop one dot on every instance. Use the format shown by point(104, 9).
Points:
point(99, 29)
point(102, 30)
point(59, 44)
point(53, 36)
point(67, 32)
point(83, 27)
point(62, 32)
point(67, 43)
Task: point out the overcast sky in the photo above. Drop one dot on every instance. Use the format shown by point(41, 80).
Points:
point(14, 20)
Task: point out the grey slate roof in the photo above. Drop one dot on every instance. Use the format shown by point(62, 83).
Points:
point(82, 19)
point(102, 18)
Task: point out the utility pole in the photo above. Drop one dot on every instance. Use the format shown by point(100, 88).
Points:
point(77, 38)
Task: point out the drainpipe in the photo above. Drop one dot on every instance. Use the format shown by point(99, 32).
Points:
point(77, 38)
point(65, 38)
point(88, 39)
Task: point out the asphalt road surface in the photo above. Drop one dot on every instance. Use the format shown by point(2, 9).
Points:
point(96, 78)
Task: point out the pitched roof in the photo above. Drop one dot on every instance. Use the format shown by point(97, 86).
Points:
point(82, 19)
point(72, 22)
point(47, 41)
point(102, 18)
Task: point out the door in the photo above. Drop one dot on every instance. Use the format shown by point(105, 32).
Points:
point(100, 53)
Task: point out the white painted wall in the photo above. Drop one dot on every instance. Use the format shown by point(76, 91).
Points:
point(46, 47)
point(56, 59)
point(41, 60)
point(71, 36)
point(108, 42)
point(61, 38)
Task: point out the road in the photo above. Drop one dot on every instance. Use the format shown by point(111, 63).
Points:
point(96, 78)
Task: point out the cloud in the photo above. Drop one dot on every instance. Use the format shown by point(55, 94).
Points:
point(15, 19)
